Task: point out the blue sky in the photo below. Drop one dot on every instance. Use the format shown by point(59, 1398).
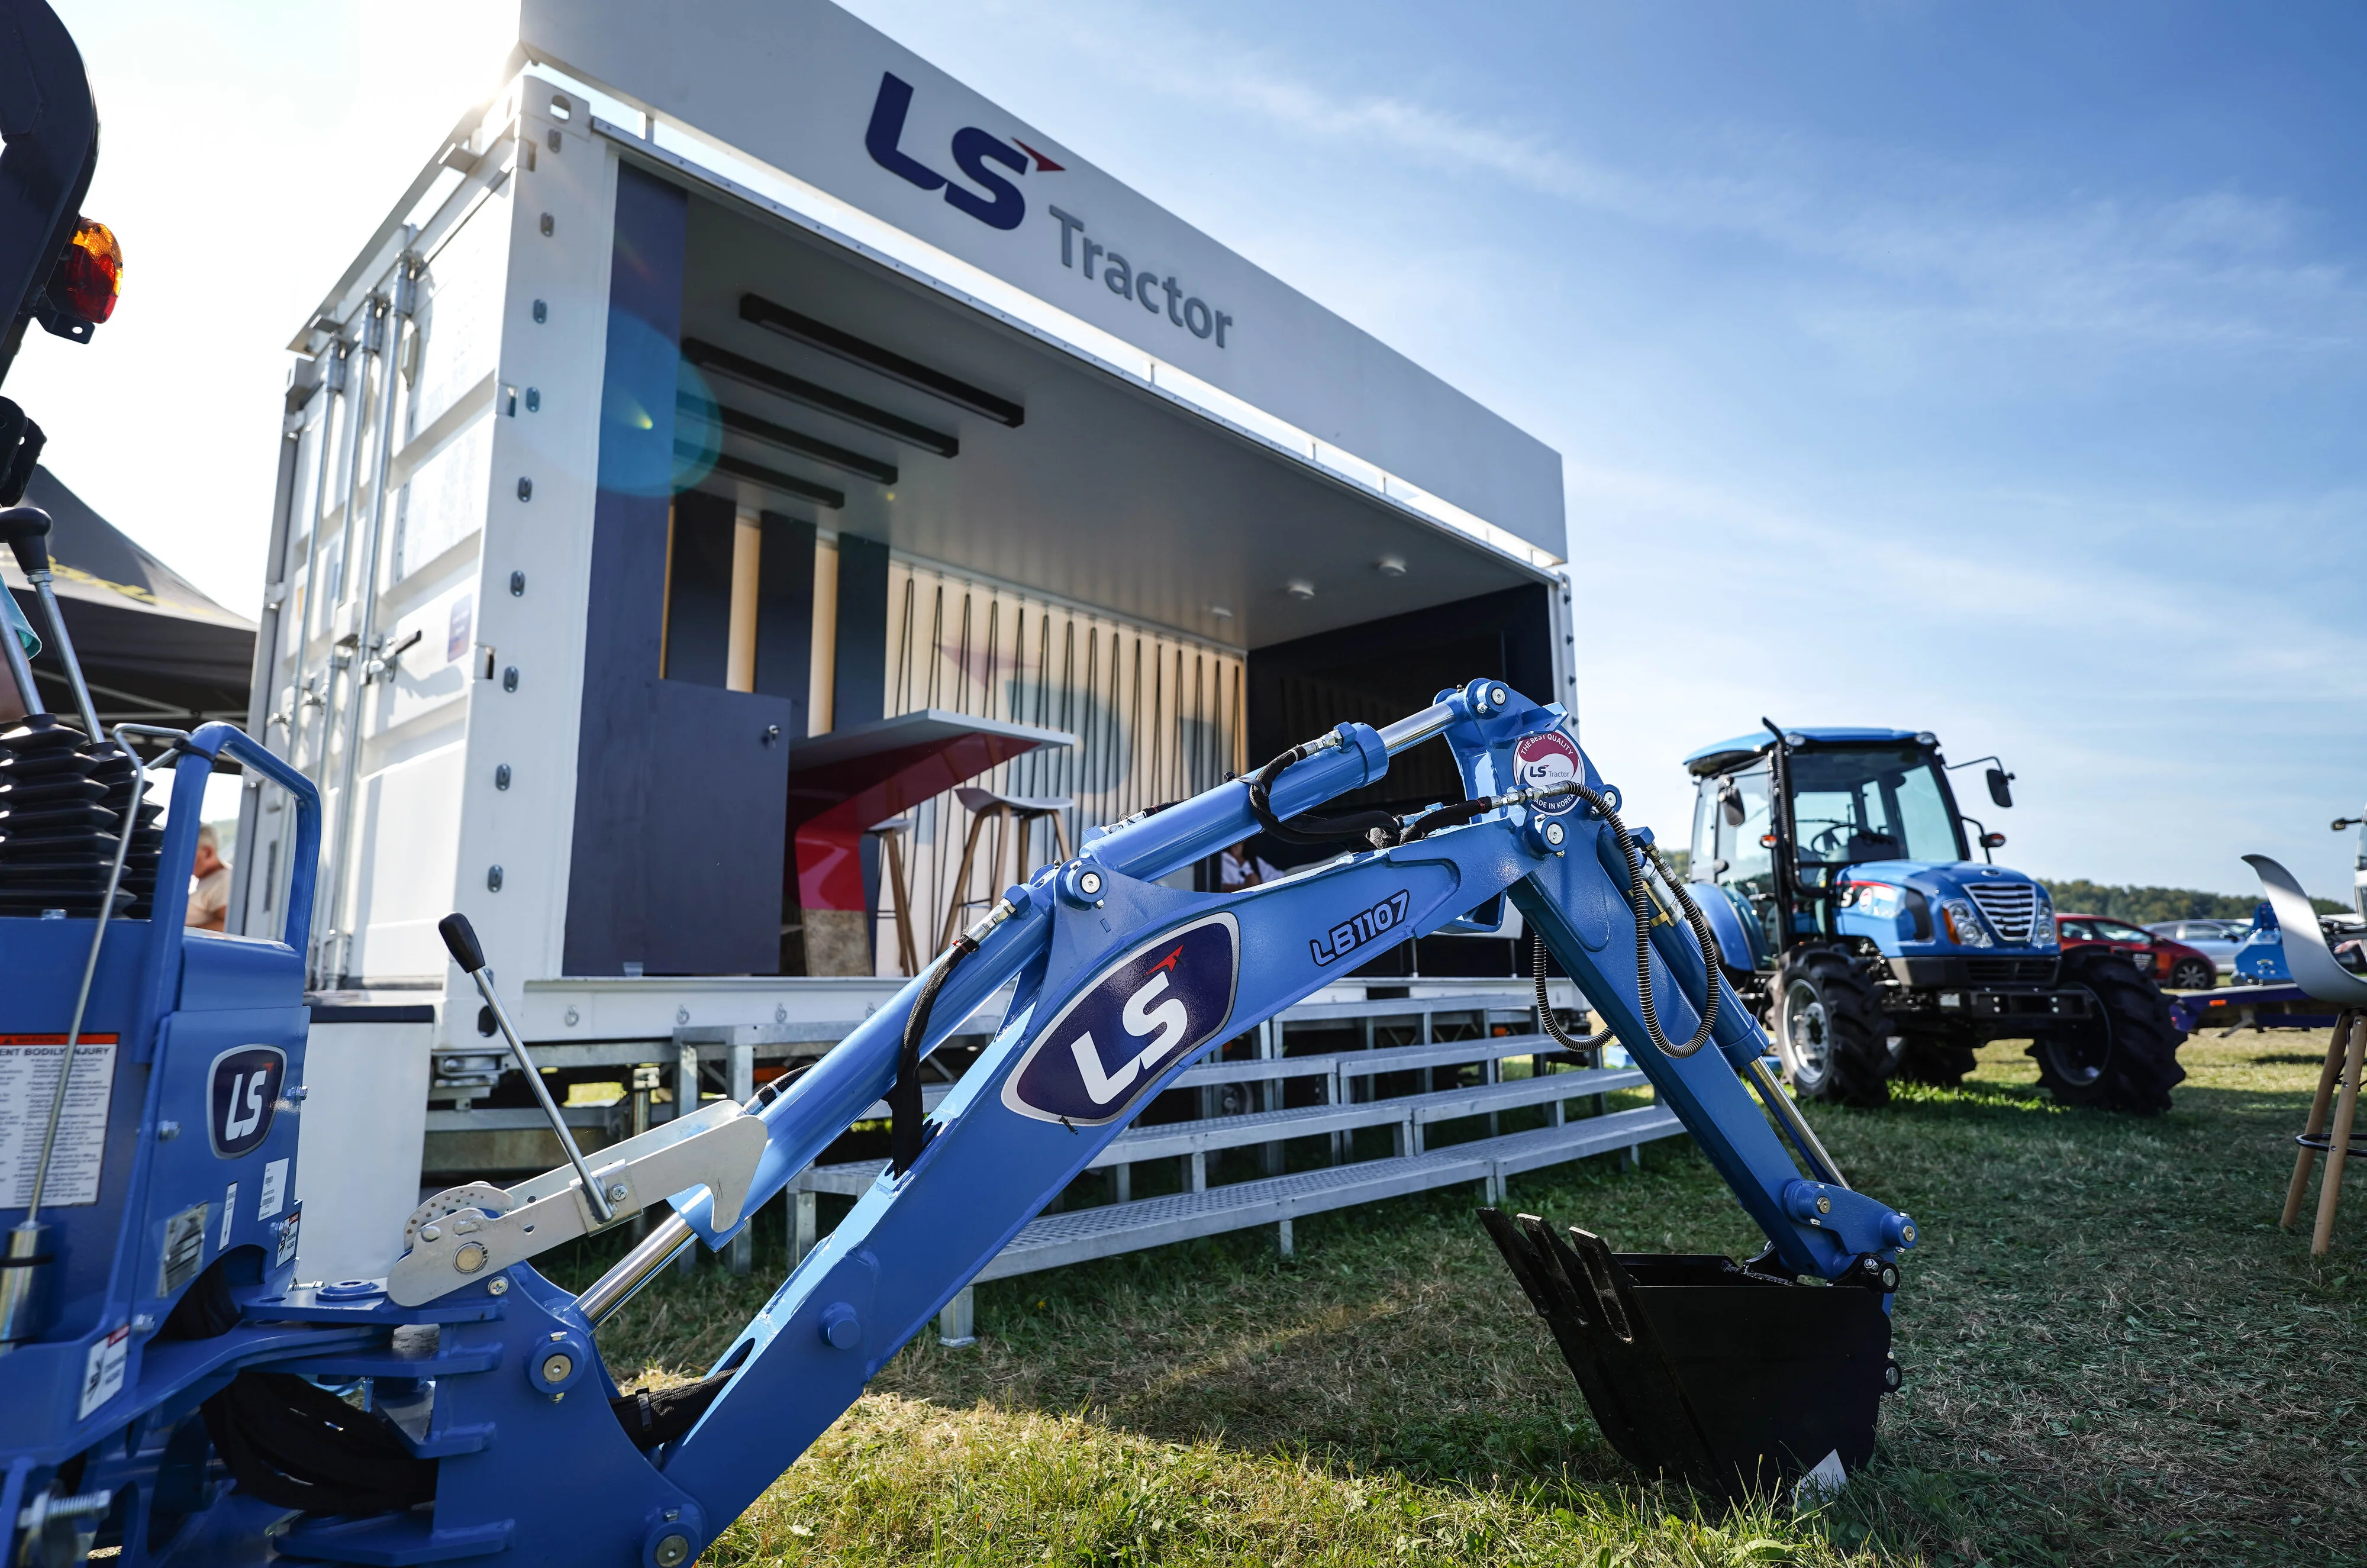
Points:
point(1988, 369)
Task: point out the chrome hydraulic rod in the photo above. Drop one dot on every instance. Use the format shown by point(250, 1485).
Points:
point(1804, 1135)
point(611, 1290)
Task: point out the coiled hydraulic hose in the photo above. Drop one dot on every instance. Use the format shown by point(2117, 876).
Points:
point(1639, 900)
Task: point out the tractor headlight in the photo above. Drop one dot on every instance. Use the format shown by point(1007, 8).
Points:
point(1963, 924)
point(2042, 923)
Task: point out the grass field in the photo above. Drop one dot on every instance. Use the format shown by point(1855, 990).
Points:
point(2111, 1355)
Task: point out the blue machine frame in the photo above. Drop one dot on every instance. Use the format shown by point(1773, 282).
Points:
point(1122, 982)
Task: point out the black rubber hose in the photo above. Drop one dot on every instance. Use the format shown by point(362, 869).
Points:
point(1640, 901)
point(1307, 828)
point(906, 1128)
point(1544, 1004)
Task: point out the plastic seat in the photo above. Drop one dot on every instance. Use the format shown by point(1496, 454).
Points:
point(1013, 816)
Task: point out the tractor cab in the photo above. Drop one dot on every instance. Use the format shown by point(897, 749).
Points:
point(1835, 867)
point(1868, 843)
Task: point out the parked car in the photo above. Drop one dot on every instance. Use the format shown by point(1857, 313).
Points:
point(2218, 939)
point(2172, 964)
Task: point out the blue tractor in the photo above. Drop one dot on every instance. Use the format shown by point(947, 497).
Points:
point(1834, 867)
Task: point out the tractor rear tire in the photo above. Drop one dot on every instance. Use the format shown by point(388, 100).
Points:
point(1937, 1058)
point(1830, 1030)
point(2125, 1059)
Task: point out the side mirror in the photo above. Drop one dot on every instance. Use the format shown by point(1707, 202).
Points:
point(1730, 803)
point(1992, 841)
point(2001, 787)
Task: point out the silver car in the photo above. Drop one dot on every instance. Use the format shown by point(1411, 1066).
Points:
point(2216, 937)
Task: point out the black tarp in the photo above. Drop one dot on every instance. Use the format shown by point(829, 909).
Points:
point(152, 648)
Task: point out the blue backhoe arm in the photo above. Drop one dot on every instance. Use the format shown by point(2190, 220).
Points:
point(1123, 982)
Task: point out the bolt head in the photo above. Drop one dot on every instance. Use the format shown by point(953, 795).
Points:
point(617, 1190)
point(471, 1258)
point(1090, 884)
point(500, 1287)
point(431, 1232)
point(1906, 1232)
point(1824, 1204)
point(556, 1366)
point(1498, 695)
point(673, 1550)
point(1555, 834)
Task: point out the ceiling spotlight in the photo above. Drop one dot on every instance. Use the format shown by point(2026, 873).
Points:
point(1391, 566)
point(1221, 612)
point(1299, 588)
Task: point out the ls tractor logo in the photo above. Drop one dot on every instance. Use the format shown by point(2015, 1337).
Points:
point(973, 150)
point(1149, 1010)
point(1540, 760)
point(245, 1092)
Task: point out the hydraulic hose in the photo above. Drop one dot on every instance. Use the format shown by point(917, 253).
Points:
point(1378, 827)
point(1639, 900)
point(1551, 1025)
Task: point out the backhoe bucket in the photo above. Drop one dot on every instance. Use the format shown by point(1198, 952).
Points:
point(1704, 1372)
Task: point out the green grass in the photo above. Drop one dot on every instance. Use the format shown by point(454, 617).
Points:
point(2112, 1355)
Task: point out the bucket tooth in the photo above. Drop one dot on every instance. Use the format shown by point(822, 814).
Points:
point(1700, 1369)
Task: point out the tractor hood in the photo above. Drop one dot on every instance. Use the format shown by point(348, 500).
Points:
point(1913, 907)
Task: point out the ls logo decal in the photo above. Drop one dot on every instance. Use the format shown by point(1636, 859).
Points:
point(1358, 929)
point(1540, 761)
point(973, 149)
point(1149, 1010)
point(245, 1091)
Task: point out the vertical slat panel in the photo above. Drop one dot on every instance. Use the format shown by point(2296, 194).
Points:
point(1156, 717)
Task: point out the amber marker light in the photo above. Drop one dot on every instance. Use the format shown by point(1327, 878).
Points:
point(90, 274)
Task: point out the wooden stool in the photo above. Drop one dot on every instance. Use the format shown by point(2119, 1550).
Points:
point(2343, 1054)
point(891, 833)
point(1017, 812)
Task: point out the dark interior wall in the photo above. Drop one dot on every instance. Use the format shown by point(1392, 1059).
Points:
point(1378, 672)
point(1381, 671)
point(679, 833)
point(608, 896)
point(785, 614)
point(859, 690)
point(698, 589)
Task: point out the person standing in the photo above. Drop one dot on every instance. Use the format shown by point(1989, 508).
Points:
point(210, 899)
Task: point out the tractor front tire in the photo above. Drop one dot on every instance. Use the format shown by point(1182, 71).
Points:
point(1830, 1030)
point(2125, 1058)
point(1940, 1057)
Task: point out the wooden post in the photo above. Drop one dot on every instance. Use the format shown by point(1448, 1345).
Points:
point(2338, 1148)
point(2327, 1076)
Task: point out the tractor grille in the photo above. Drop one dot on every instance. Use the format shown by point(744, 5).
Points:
point(2009, 971)
point(2010, 906)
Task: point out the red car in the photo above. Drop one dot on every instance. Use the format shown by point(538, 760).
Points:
point(2172, 964)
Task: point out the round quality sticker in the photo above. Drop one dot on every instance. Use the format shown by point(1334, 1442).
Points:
point(1548, 758)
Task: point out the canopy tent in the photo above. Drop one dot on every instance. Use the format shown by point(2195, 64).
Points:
point(152, 648)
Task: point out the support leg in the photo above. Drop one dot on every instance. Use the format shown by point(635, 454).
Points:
point(2346, 1115)
point(1122, 1183)
point(958, 1324)
point(805, 1225)
point(1269, 1098)
point(2320, 1108)
point(685, 1101)
point(741, 1255)
point(1282, 1241)
point(1196, 1168)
